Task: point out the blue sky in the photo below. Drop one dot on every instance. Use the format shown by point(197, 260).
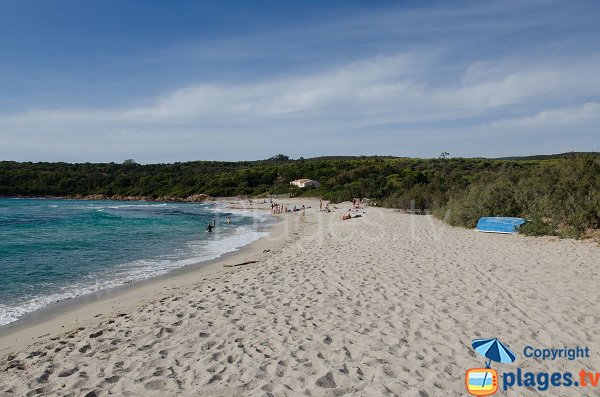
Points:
point(164, 81)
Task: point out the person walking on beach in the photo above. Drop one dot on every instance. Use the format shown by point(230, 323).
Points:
point(303, 209)
point(320, 205)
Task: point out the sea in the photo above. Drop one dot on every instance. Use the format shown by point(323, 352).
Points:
point(54, 250)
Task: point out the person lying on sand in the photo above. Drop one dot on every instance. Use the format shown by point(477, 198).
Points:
point(349, 216)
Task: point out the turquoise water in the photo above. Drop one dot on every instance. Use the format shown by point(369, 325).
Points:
point(51, 250)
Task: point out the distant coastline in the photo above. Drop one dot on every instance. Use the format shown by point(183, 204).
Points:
point(195, 198)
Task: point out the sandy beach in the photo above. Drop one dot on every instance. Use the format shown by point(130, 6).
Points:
point(385, 304)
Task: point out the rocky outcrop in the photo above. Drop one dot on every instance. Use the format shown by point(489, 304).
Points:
point(198, 198)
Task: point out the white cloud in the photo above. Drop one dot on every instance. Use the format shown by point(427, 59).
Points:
point(379, 92)
point(569, 116)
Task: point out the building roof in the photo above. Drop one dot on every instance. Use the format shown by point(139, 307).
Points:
point(304, 180)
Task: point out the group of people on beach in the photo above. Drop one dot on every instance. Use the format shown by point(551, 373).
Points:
point(277, 209)
point(359, 203)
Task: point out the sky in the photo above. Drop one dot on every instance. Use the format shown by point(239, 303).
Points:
point(167, 81)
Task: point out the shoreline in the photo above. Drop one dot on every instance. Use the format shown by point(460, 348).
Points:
point(383, 304)
point(70, 314)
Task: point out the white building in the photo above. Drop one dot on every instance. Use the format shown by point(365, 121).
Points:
point(302, 183)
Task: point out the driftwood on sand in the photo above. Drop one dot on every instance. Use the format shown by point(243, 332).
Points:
point(240, 264)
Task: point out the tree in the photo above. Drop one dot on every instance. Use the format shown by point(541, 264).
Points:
point(279, 157)
point(130, 164)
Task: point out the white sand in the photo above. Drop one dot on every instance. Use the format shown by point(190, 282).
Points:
point(382, 305)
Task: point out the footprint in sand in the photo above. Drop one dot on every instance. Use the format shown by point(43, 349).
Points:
point(326, 381)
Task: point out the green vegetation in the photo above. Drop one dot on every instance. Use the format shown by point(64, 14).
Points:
point(558, 194)
point(560, 197)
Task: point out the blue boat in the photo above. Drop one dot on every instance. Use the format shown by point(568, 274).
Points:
point(499, 224)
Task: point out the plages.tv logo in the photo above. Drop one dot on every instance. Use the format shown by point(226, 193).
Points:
point(484, 381)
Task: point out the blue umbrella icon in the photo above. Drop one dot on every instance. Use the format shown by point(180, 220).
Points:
point(493, 349)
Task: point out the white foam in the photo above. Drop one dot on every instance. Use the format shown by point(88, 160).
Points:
point(119, 206)
point(158, 205)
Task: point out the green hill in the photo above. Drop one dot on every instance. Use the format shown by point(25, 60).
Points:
point(550, 156)
point(560, 194)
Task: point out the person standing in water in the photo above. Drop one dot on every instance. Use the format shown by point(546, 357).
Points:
point(228, 221)
point(209, 228)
